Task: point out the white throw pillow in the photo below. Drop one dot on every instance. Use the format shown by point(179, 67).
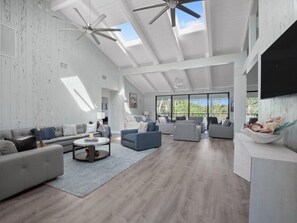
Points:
point(91, 128)
point(143, 118)
point(142, 127)
point(69, 130)
point(162, 120)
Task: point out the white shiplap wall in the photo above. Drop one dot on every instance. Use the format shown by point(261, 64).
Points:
point(274, 18)
point(31, 90)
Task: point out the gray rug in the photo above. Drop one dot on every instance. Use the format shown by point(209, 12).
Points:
point(81, 178)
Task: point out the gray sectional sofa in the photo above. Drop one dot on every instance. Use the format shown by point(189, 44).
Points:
point(22, 170)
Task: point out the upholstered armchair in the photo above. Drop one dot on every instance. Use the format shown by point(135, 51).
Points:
point(225, 131)
point(186, 131)
point(140, 141)
point(199, 121)
point(164, 126)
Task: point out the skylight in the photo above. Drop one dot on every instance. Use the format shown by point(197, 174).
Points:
point(128, 35)
point(187, 23)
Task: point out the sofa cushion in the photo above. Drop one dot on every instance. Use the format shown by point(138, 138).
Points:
point(69, 129)
point(58, 131)
point(142, 127)
point(7, 147)
point(20, 133)
point(44, 133)
point(25, 143)
point(91, 128)
point(5, 134)
point(81, 128)
point(131, 137)
point(151, 126)
point(227, 123)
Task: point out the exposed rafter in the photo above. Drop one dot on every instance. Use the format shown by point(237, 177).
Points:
point(180, 53)
point(207, 14)
point(149, 82)
point(186, 64)
point(60, 4)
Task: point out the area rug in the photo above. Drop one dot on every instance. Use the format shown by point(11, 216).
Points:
point(81, 178)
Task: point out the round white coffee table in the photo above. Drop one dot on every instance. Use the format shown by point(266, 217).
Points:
point(90, 154)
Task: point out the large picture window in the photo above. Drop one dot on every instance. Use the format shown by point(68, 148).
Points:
point(193, 105)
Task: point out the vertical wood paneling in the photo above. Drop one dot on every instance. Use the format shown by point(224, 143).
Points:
point(274, 18)
point(31, 91)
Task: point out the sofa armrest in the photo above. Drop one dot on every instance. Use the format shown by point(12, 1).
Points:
point(220, 131)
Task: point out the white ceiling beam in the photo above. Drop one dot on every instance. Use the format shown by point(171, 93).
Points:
point(147, 45)
point(85, 5)
point(246, 26)
point(149, 83)
point(186, 64)
point(60, 4)
point(180, 54)
point(134, 84)
point(207, 14)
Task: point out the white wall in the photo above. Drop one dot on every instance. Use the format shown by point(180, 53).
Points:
point(31, 90)
point(275, 17)
point(129, 88)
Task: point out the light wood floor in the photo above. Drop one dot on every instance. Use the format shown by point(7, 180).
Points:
point(180, 182)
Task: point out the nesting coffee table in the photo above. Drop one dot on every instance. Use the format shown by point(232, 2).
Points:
point(90, 146)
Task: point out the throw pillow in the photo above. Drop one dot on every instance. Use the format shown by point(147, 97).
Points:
point(151, 126)
point(91, 128)
point(44, 133)
point(7, 147)
point(143, 118)
point(24, 144)
point(227, 123)
point(142, 127)
point(162, 120)
point(69, 129)
point(138, 118)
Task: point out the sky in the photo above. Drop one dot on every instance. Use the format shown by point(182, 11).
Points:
point(186, 20)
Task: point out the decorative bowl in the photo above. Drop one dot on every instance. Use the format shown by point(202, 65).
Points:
point(263, 138)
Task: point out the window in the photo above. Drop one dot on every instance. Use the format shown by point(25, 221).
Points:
point(219, 106)
point(252, 105)
point(163, 106)
point(128, 35)
point(187, 23)
point(180, 106)
point(195, 105)
point(198, 105)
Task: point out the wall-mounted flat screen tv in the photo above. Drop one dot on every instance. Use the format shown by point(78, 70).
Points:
point(279, 66)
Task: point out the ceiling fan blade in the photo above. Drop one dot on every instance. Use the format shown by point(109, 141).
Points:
point(189, 11)
point(56, 17)
point(107, 30)
point(85, 32)
point(157, 16)
point(106, 36)
point(95, 38)
point(98, 20)
point(150, 7)
point(173, 17)
point(82, 18)
point(189, 1)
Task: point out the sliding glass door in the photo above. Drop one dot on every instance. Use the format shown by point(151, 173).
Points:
point(163, 106)
point(198, 105)
point(219, 106)
point(180, 105)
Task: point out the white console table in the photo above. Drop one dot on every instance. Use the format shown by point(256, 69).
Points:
point(272, 171)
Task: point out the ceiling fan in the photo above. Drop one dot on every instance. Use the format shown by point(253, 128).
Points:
point(90, 28)
point(177, 83)
point(172, 5)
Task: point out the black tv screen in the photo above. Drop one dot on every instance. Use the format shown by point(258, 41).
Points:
point(279, 66)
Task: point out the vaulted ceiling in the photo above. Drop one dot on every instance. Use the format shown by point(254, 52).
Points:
point(223, 32)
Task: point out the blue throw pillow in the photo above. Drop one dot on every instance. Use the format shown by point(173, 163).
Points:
point(151, 126)
point(45, 133)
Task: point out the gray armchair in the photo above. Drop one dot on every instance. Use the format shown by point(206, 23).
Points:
point(221, 131)
point(187, 131)
point(199, 121)
point(140, 141)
